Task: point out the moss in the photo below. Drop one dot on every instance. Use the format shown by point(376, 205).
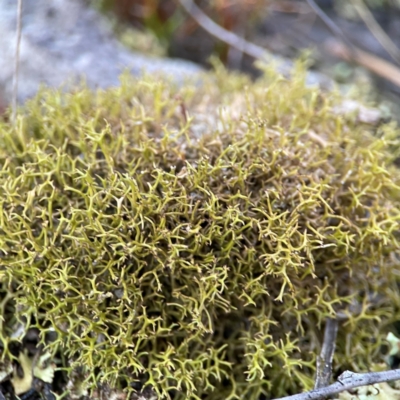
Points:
point(195, 238)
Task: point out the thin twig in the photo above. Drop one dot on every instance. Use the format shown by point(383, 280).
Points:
point(217, 31)
point(16, 63)
point(381, 36)
point(331, 25)
point(241, 44)
point(347, 381)
point(377, 65)
point(324, 361)
point(248, 48)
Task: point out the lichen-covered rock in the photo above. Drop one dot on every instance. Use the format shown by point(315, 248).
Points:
point(195, 239)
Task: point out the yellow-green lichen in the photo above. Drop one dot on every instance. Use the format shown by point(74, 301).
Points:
point(195, 238)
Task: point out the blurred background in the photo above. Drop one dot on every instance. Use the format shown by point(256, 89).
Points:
point(355, 43)
point(284, 27)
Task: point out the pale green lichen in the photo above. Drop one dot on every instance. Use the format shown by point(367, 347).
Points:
point(195, 238)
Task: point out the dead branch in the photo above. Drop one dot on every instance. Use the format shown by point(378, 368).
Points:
point(347, 381)
point(16, 65)
point(324, 361)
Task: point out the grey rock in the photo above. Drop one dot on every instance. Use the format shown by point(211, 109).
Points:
point(65, 41)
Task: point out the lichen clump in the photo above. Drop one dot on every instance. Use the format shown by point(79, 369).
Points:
point(194, 239)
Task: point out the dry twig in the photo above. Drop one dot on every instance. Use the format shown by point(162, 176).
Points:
point(248, 48)
point(331, 25)
point(283, 66)
point(375, 64)
point(217, 31)
point(380, 35)
point(347, 381)
point(324, 361)
point(16, 65)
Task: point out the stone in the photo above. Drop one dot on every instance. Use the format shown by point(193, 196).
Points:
point(67, 41)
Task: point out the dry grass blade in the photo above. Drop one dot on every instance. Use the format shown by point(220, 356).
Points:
point(369, 61)
point(217, 31)
point(16, 65)
point(382, 37)
point(331, 25)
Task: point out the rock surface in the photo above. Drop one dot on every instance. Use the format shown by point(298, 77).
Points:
point(63, 40)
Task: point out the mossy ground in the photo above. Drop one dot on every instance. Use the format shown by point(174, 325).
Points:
point(195, 238)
